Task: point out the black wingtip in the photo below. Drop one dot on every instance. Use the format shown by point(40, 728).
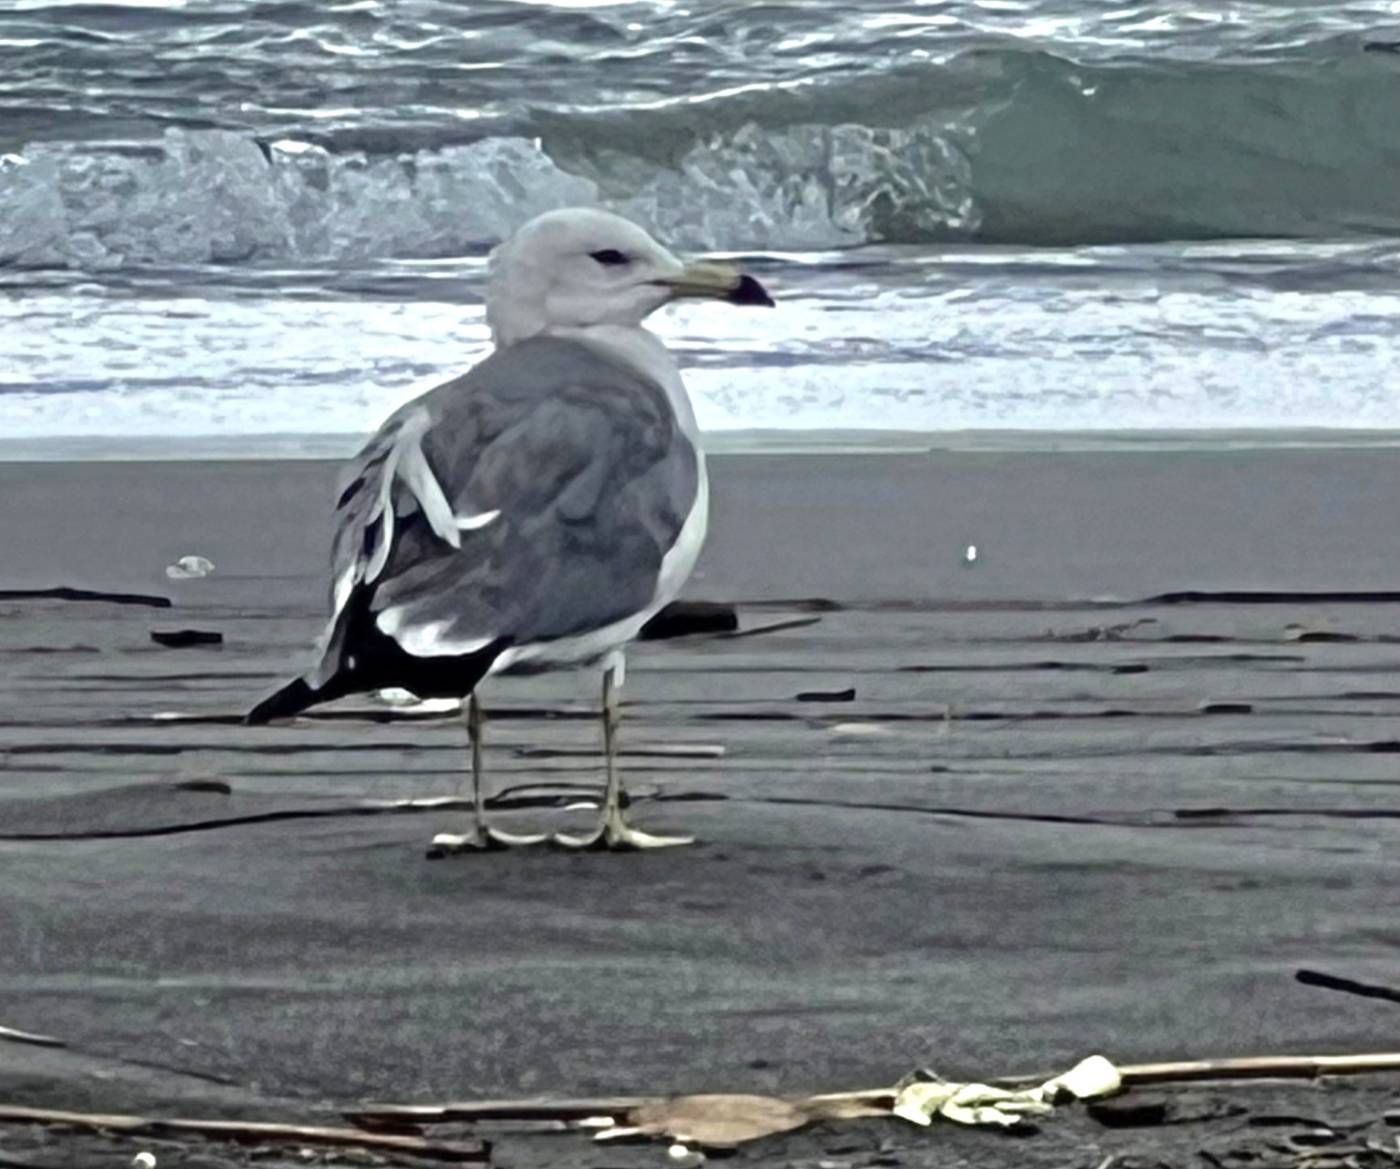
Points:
point(749, 291)
point(292, 699)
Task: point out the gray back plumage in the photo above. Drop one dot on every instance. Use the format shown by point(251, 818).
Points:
point(587, 466)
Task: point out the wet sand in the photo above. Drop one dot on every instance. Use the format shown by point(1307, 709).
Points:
point(1106, 790)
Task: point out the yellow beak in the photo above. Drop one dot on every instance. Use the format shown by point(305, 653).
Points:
point(718, 281)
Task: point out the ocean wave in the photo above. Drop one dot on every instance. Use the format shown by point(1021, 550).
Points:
point(217, 196)
point(999, 146)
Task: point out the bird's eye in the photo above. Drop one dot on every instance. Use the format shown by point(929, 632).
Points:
point(609, 256)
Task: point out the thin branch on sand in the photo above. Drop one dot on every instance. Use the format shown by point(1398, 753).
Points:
point(249, 1132)
point(29, 1037)
point(1263, 1067)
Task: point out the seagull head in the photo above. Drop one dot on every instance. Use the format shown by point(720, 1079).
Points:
point(582, 266)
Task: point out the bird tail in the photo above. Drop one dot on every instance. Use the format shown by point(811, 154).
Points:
point(298, 694)
point(292, 699)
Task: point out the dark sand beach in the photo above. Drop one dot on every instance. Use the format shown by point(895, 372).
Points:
point(1105, 790)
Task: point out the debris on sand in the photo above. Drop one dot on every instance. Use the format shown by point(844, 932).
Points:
point(723, 1121)
point(847, 695)
point(924, 1100)
point(685, 618)
point(1348, 985)
point(183, 638)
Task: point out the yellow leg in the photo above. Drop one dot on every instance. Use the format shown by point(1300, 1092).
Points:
point(479, 835)
point(613, 832)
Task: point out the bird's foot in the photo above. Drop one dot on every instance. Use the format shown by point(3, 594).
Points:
point(481, 839)
point(615, 835)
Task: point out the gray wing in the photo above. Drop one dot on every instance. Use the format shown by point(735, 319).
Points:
point(531, 499)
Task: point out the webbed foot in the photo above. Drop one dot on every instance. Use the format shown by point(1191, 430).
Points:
point(615, 835)
point(483, 839)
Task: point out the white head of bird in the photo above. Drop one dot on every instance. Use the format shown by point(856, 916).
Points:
point(581, 266)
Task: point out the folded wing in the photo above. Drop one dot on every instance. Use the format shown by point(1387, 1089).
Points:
point(532, 499)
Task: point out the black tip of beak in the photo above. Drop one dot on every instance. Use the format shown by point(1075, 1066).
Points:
point(749, 291)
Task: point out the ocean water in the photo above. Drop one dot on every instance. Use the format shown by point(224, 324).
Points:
point(233, 218)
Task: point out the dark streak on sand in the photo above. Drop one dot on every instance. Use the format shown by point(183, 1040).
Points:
point(686, 618)
point(988, 856)
point(1277, 597)
point(68, 593)
point(184, 638)
point(1348, 986)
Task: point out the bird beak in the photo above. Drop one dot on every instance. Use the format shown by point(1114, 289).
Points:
point(718, 281)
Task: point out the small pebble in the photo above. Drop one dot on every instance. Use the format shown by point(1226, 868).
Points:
point(970, 556)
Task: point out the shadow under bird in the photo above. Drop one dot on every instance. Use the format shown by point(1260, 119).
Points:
point(535, 512)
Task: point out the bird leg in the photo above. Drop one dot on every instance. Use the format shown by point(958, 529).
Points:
point(613, 832)
point(481, 835)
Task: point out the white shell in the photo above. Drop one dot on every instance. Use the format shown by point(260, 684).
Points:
point(189, 568)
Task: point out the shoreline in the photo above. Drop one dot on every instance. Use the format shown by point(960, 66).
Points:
point(302, 447)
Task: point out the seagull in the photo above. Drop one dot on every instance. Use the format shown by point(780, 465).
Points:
point(534, 513)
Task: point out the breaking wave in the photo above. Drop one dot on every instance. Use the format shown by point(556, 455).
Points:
point(998, 146)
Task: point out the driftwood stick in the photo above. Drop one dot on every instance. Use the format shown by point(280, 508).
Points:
point(1283, 1067)
point(1256, 1067)
point(470, 1110)
point(246, 1131)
